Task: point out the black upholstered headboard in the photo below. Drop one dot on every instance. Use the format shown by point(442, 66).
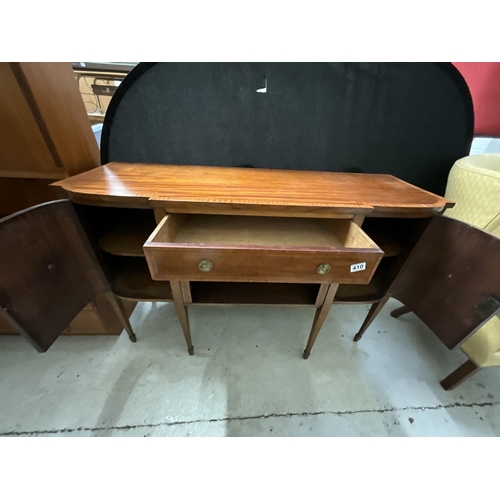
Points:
point(412, 120)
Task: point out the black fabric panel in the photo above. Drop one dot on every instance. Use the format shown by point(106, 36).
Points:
point(412, 120)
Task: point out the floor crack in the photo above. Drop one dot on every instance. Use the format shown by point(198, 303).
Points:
point(248, 417)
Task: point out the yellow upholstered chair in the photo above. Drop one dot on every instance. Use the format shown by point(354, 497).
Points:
point(474, 185)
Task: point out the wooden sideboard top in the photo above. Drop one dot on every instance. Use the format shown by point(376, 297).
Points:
point(250, 191)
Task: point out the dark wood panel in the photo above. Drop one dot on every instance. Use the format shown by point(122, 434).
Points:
point(246, 190)
point(451, 279)
point(19, 194)
point(49, 273)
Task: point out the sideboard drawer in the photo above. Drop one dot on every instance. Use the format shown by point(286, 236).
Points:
point(265, 249)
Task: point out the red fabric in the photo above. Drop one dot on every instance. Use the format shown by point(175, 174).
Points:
point(483, 80)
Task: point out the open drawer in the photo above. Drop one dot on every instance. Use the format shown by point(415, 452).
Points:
point(265, 249)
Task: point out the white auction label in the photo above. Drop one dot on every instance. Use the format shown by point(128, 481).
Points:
point(358, 267)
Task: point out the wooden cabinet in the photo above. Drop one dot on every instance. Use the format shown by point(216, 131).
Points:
point(45, 135)
point(210, 235)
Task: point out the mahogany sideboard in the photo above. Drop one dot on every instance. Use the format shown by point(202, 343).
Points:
point(221, 235)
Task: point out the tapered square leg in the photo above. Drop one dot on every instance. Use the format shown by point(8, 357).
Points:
point(122, 315)
point(372, 314)
point(319, 318)
point(182, 313)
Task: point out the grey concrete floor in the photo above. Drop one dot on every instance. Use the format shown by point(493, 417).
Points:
point(247, 378)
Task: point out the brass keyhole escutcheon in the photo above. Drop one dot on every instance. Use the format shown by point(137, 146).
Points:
point(324, 269)
point(205, 266)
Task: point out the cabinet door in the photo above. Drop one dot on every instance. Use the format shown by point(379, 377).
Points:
point(451, 280)
point(23, 148)
point(48, 271)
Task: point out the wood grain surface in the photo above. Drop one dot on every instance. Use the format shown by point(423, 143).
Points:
point(22, 144)
point(56, 103)
point(248, 191)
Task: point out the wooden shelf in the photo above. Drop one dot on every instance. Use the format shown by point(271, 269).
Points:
point(128, 236)
point(130, 280)
point(206, 292)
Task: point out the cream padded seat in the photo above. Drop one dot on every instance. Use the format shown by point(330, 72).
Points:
point(474, 185)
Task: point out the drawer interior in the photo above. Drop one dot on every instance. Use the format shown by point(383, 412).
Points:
point(234, 230)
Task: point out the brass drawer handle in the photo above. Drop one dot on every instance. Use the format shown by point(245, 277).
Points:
point(205, 266)
point(324, 269)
